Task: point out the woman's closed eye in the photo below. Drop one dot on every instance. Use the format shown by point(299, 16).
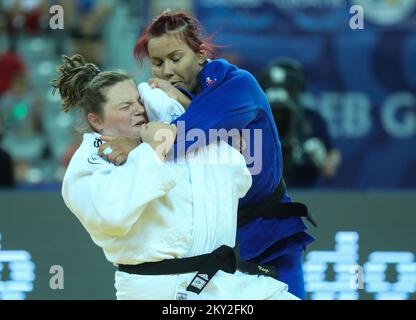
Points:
point(125, 106)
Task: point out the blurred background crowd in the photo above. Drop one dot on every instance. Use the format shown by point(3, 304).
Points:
point(343, 99)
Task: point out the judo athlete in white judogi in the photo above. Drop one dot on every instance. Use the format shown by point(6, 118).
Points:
point(150, 209)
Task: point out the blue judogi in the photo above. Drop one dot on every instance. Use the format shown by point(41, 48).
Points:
point(230, 98)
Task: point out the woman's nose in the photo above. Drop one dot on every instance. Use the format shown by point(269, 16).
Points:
point(139, 108)
point(167, 70)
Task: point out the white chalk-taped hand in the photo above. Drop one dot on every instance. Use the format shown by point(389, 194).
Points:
point(159, 106)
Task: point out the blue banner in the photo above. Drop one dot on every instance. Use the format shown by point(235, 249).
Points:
point(361, 78)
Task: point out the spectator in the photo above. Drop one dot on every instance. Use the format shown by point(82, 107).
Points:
point(21, 111)
point(86, 20)
point(6, 166)
point(20, 16)
point(10, 66)
point(6, 170)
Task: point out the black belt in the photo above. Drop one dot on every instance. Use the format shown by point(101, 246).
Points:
point(207, 265)
point(273, 208)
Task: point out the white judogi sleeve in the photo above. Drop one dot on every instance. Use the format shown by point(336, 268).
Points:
point(109, 199)
point(159, 106)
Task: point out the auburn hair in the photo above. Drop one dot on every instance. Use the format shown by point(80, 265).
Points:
point(180, 23)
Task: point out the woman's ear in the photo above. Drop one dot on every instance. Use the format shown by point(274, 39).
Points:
point(202, 55)
point(95, 121)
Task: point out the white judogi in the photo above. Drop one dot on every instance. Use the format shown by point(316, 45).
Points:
point(148, 210)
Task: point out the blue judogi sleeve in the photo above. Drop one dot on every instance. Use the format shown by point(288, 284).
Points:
point(226, 101)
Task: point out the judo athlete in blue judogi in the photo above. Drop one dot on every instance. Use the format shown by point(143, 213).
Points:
point(230, 98)
point(219, 95)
